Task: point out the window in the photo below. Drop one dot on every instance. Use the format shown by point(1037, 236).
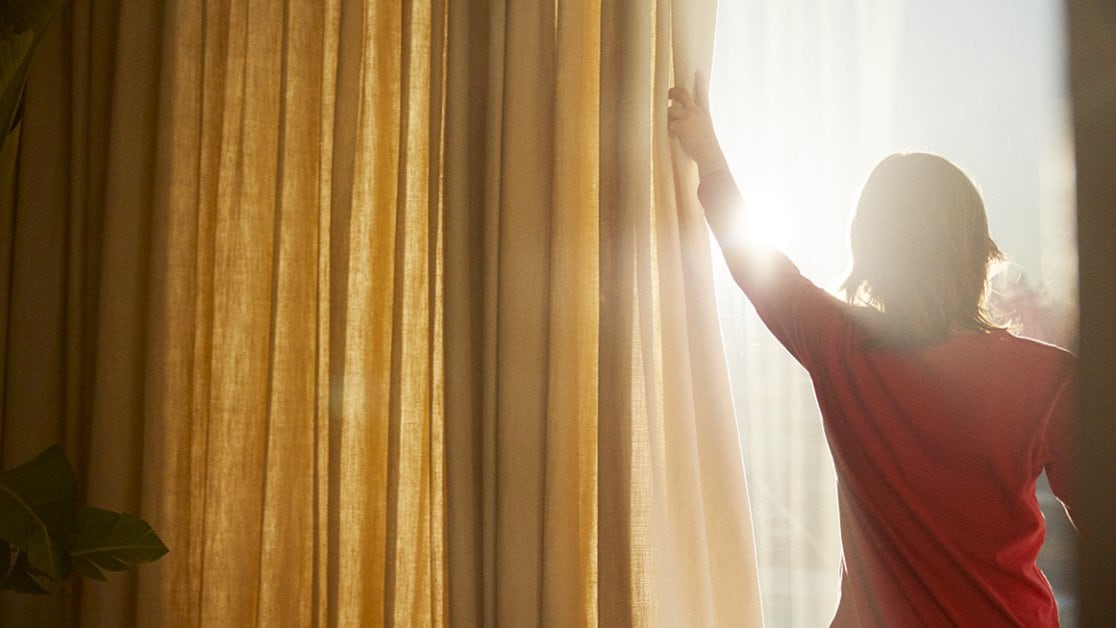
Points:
point(807, 97)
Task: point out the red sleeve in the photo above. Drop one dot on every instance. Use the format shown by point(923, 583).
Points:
point(804, 318)
point(1057, 444)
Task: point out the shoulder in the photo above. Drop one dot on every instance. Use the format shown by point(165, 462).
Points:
point(1033, 370)
point(1032, 353)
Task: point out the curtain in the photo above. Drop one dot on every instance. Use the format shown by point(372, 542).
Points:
point(75, 258)
point(593, 471)
point(380, 313)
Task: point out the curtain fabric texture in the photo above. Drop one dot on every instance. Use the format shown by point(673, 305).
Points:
point(381, 313)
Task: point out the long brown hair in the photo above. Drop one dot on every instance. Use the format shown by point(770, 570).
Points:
point(921, 250)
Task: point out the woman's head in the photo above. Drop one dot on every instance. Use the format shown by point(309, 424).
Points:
point(920, 248)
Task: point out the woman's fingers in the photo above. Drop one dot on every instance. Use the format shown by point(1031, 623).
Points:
point(681, 96)
point(683, 104)
point(681, 112)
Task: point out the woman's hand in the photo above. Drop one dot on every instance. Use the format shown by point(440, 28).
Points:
point(690, 122)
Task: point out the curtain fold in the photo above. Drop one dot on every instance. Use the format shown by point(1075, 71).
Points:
point(381, 313)
point(689, 545)
point(521, 304)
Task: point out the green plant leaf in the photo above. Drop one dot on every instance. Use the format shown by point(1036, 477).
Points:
point(19, 577)
point(37, 509)
point(112, 541)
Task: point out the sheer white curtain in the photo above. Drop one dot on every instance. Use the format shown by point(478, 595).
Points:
point(801, 97)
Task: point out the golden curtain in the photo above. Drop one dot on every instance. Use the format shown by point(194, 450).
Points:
point(380, 312)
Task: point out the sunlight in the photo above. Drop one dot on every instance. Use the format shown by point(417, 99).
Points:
point(764, 221)
point(805, 217)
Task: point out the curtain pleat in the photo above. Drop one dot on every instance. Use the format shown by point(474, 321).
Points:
point(689, 547)
point(521, 313)
point(570, 533)
point(469, 308)
point(173, 457)
point(625, 197)
point(388, 524)
point(116, 332)
point(288, 517)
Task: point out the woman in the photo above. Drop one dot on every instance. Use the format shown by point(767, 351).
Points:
point(938, 421)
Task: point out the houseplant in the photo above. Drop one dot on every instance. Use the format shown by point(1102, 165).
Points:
point(45, 535)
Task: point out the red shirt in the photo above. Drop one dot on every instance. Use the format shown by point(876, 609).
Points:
point(937, 451)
